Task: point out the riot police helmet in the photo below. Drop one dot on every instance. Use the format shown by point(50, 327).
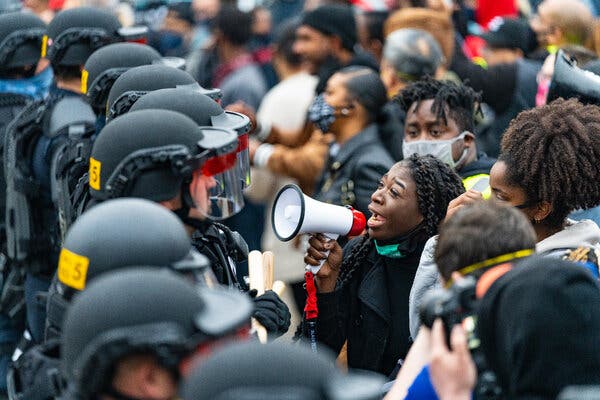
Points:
point(74, 34)
point(143, 310)
point(21, 35)
point(118, 234)
point(277, 371)
point(204, 112)
point(105, 65)
point(123, 232)
point(160, 154)
point(138, 81)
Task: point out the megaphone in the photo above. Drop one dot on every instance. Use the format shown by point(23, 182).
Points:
point(295, 213)
point(570, 81)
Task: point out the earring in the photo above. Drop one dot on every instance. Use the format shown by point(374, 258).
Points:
point(344, 111)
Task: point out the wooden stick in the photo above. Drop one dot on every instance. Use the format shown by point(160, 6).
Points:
point(268, 263)
point(259, 279)
point(278, 287)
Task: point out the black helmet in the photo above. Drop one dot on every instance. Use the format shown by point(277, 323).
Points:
point(138, 81)
point(143, 310)
point(74, 34)
point(108, 63)
point(118, 234)
point(124, 232)
point(153, 154)
point(20, 39)
point(205, 112)
point(276, 371)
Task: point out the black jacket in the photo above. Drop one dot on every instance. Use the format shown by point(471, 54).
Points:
point(351, 176)
point(482, 165)
point(361, 311)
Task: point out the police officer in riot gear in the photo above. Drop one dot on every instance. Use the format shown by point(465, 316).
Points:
point(114, 235)
point(101, 70)
point(133, 333)
point(33, 234)
point(20, 41)
point(136, 155)
point(105, 66)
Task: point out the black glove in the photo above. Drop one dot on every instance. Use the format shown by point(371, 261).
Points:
point(271, 312)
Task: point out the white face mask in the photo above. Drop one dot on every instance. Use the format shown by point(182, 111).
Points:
point(440, 149)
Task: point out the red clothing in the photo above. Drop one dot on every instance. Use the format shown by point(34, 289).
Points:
point(488, 9)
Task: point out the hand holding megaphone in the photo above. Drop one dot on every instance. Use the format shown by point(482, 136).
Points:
point(295, 213)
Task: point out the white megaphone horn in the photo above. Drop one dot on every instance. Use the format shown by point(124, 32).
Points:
point(295, 213)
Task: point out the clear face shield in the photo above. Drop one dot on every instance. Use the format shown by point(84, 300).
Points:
point(215, 186)
point(241, 125)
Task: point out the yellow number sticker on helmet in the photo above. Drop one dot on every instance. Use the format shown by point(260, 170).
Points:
point(95, 167)
point(72, 269)
point(44, 46)
point(84, 79)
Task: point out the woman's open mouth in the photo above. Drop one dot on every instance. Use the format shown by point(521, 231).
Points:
point(376, 220)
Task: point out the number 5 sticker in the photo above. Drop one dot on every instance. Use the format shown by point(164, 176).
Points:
point(72, 269)
point(95, 166)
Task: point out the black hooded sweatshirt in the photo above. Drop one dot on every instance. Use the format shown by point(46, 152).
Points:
point(539, 326)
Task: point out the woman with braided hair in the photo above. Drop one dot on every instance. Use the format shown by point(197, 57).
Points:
point(363, 289)
point(549, 166)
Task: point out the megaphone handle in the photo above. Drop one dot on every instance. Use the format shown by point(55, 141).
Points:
point(313, 269)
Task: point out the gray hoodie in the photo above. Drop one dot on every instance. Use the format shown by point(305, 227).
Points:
point(576, 234)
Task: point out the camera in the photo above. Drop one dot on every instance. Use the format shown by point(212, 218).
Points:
point(457, 306)
point(452, 305)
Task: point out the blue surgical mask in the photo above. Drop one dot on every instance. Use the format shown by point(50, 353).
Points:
point(35, 87)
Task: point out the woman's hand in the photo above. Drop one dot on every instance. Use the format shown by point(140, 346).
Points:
point(319, 245)
point(468, 197)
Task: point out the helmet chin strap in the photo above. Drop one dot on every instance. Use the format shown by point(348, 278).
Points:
point(187, 203)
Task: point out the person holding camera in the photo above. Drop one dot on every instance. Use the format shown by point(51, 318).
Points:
point(539, 328)
point(503, 234)
point(363, 289)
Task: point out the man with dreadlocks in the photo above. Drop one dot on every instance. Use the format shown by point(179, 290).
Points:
point(363, 289)
point(439, 121)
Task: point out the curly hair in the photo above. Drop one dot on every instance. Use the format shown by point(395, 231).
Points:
point(553, 154)
point(436, 185)
point(499, 229)
point(456, 100)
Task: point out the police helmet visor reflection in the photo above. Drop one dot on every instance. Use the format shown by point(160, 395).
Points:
point(241, 125)
point(218, 182)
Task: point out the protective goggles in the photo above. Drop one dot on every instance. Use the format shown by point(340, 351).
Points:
point(241, 125)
